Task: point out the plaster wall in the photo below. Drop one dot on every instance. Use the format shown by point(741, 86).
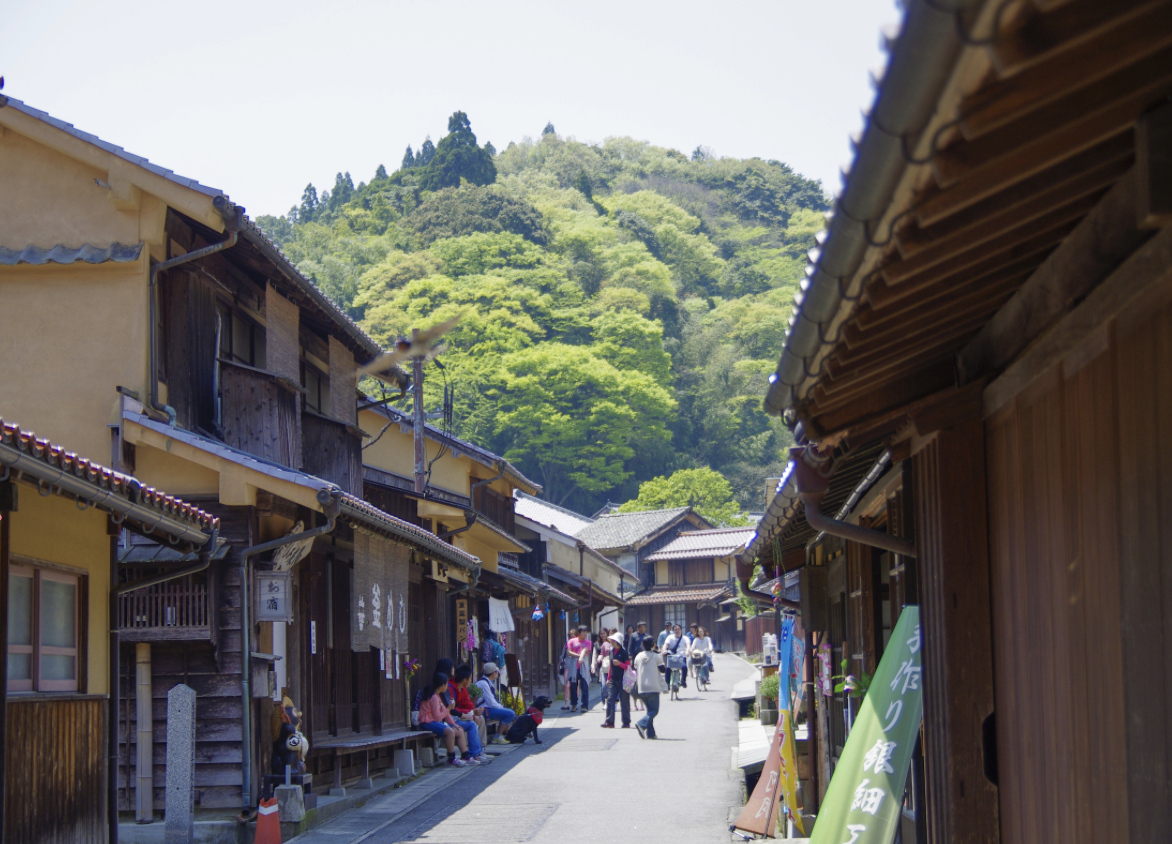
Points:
point(70, 335)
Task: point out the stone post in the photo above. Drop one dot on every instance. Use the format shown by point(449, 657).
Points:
point(179, 820)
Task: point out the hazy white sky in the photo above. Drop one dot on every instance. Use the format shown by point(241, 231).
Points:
point(259, 98)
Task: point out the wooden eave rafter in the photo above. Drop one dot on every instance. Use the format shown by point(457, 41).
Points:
point(1033, 148)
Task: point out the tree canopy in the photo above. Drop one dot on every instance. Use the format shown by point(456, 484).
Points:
point(708, 491)
point(623, 304)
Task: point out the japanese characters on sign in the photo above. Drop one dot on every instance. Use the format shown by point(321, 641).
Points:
point(273, 596)
point(863, 801)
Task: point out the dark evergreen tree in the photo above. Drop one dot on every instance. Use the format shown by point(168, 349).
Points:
point(490, 149)
point(381, 172)
point(343, 190)
point(548, 130)
point(309, 204)
point(426, 153)
point(408, 159)
point(458, 157)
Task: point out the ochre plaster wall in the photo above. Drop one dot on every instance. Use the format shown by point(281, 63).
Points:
point(69, 336)
point(53, 530)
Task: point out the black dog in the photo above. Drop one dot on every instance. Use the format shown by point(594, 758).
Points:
point(527, 723)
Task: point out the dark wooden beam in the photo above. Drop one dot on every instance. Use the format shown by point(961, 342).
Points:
point(1039, 37)
point(872, 360)
point(943, 298)
point(882, 295)
point(986, 220)
point(1150, 267)
point(1090, 113)
point(862, 380)
point(1005, 100)
point(961, 251)
point(942, 314)
point(830, 422)
point(1100, 242)
point(1153, 168)
point(1032, 158)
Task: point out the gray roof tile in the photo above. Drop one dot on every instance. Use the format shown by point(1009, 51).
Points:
point(622, 530)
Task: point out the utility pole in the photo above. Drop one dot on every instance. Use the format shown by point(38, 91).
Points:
point(417, 388)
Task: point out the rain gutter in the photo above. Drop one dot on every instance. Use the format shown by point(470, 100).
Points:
point(920, 67)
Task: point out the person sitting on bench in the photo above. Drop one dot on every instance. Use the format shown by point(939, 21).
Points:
point(494, 710)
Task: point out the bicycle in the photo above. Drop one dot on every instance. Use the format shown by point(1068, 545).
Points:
point(700, 670)
point(676, 665)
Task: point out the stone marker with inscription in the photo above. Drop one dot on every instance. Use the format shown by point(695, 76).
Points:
point(179, 820)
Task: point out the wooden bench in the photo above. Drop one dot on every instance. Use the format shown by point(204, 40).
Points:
point(342, 746)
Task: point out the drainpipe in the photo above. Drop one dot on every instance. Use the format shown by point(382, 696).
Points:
point(331, 501)
point(500, 474)
point(812, 477)
point(234, 219)
point(470, 520)
point(115, 681)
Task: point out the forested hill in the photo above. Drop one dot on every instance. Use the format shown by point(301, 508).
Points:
point(623, 303)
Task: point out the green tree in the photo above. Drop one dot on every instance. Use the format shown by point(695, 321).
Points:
point(708, 491)
point(408, 159)
point(457, 211)
point(309, 203)
point(426, 153)
point(489, 148)
point(381, 172)
point(575, 419)
point(458, 157)
point(548, 130)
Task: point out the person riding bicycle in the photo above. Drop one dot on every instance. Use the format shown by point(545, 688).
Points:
point(675, 654)
point(702, 652)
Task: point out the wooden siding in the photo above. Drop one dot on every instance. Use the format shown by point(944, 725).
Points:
point(188, 345)
point(259, 414)
point(498, 508)
point(55, 782)
point(332, 451)
point(1144, 370)
point(953, 563)
point(184, 608)
point(1081, 531)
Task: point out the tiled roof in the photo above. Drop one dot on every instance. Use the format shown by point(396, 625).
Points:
point(482, 455)
point(677, 595)
point(532, 585)
point(121, 253)
point(622, 530)
point(581, 583)
point(484, 520)
point(51, 466)
point(544, 513)
point(353, 508)
point(364, 514)
point(721, 542)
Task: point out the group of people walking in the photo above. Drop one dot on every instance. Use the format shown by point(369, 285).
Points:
point(633, 665)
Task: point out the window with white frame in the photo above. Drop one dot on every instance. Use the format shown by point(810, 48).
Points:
point(42, 630)
point(675, 614)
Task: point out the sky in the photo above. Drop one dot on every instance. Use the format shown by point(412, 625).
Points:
point(260, 98)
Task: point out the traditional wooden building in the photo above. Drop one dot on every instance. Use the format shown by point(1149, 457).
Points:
point(61, 519)
point(692, 576)
point(599, 584)
point(629, 538)
point(226, 376)
point(976, 373)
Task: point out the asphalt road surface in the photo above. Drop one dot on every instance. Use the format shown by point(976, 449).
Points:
point(583, 784)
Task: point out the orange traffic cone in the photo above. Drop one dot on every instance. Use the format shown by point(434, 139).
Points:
point(268, 823)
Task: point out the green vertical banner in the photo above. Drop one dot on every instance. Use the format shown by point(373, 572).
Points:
point(863, 802)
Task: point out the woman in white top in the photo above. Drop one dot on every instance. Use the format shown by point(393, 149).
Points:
point(649, 685)
point(703, 644)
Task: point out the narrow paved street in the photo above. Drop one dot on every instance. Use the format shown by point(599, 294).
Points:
point(583, 784)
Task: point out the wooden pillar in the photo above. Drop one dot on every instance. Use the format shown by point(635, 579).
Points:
point(143, 718)
point(953, 567)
